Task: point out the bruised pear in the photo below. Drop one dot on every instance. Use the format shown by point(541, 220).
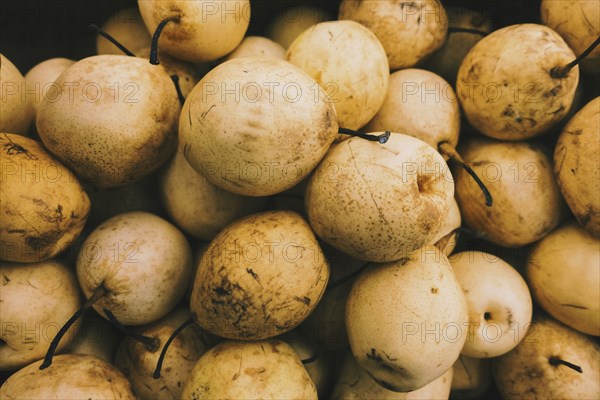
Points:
point(260, 277)
point(577, 165)
point(507, 84)
point(44, 207)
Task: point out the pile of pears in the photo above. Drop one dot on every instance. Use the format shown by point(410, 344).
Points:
point(196, 212)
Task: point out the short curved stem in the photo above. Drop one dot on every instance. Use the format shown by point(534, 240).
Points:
point(96, 295)
point(563, 71)
point(383, 138)
point(150, 343)
point(163, 352)
point(447, 149)
point(156, 36)
point(556, 361)
point(175, 80)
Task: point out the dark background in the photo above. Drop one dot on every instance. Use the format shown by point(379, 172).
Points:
point(32, 31)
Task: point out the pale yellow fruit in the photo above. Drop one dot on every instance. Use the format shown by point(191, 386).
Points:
point(527, 201)
point(260, 277)
point(43, 207)
point(406, 338)
point(354, 383)
point(409, 30)
point(378, 202)
point(577, 165)
point(291, 22)
point(205, 30)
point(196, 205)
point(498, 302)
point(138, 363)
point(319, 365)
point(447, 59)
point(421, 104)
point(578, 22)
point(250, 370)
point(16, 108)
point(256, 126)
point(142, 262)
point(70, 377)
point(357, 89)
point(112, 119)
point(563, 271)
point(127, 27)
point(257, 46)
point(37, 299)
point(40, 78)
point(531, 369)
point(505, 86)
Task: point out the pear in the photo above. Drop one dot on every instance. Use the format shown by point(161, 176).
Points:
point(127, 27)
point(212, 208)
point(111, 118)
point(409, 31)
point(507, 84)
point(552, 362)
point(498, 301)
point(578, 22)
point(138, 363)
point(257, 46)
point(356, 89)
point(139, 262)
point(406, 338)
point(256, 126)
point(379, 202)
point(563, 271)
point(527, 200)
point(37, 299)
point(447, 236)
point(71, 376)
point(201, 30)
point(577, 165)
point(96, 337)
point(250, 370)
point(419, 103)
point(354, 383)
point(260, 277)
point(291, 22)
point(447, 59)
point(472, 377)
point(41, 77)
point(16, 108)
point(44, 207)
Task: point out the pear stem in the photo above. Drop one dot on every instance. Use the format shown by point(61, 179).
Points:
point(111, 39)
point(383, 138)
point(156, 36)
point(175, 80)
point(562, 71)
point(97, 294)
point(311, 359)
point(163, 352)
point(447, 149)
point(150, 343)
point(467, 30)
point(556, 361)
